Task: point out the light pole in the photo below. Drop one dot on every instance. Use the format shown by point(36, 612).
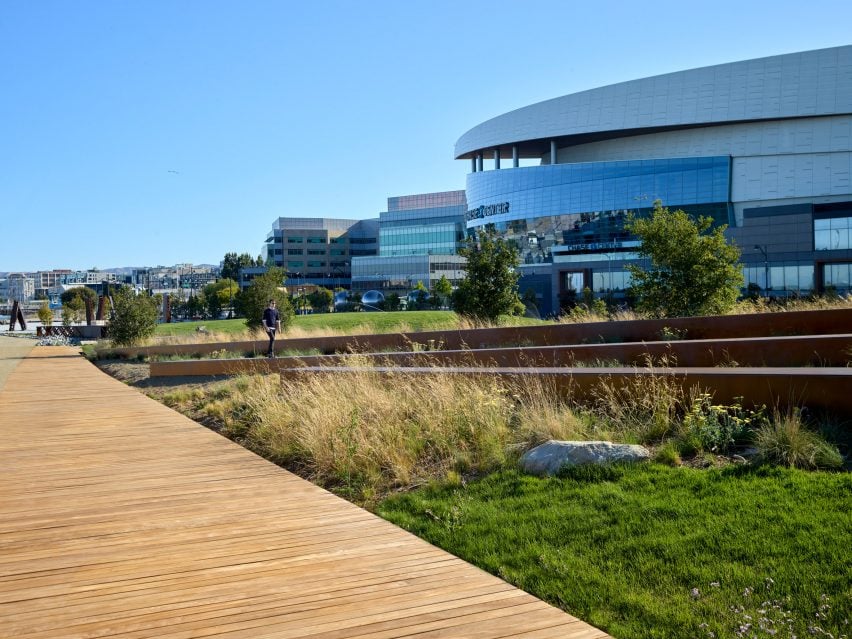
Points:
point(762, 249)
point(609, 271)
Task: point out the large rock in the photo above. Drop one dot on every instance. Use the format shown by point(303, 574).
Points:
point(549, 457)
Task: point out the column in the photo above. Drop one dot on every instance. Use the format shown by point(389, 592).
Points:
point(473, 165)
point(496, 159)
point(553, 151)
point(479, 161)
point(515, 156)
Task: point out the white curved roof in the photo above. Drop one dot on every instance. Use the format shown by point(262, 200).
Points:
point(805, 84)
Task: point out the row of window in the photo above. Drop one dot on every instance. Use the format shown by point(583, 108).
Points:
point(790, 278)
point(576, 188)
point(312, 252)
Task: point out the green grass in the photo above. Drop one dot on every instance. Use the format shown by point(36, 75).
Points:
point(622, 548)
point(343, 322)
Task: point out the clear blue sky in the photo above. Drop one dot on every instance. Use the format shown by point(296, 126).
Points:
point(153, 132)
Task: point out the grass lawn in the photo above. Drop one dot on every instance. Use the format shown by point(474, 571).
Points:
point(343, 322)
point(623, 548)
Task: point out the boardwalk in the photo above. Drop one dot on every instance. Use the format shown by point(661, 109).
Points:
point(121, 518)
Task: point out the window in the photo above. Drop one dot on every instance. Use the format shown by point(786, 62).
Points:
point(294, 251)
point(832, 234)
point(316, 264)
point(338, 251)
point(295, 240)
point(316, 240)
point(316, 251)
point(295, 264)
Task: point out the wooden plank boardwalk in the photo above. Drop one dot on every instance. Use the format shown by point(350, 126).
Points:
point(121, 518)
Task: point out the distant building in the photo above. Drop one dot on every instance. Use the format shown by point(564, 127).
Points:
point(419, 238)
point(316, 251)
point(45, 280)
point(180, 280)
point(20, 287)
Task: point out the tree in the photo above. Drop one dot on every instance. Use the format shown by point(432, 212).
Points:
point(255, 298)
point(81, 293)
point(232, 263)
point(443, 289)
point(134, 318)
point(72, 311)
point(321, 300)
point(693, 269)
point(45, 315)
point(490, 286)
point(218, 295)
point(392, 302)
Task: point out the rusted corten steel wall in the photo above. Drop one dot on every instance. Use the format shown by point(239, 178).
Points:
point(816, 388)
point(810, 350)
point(823, 322)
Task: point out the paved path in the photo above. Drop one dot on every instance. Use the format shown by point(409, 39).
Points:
point(121, 518)
point(12, 351)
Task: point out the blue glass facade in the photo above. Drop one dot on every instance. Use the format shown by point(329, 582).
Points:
point(560, 189)
point(418, 240)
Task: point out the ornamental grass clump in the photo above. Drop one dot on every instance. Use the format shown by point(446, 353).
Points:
point(786, 441)
point(644, 408)
point(366, 433)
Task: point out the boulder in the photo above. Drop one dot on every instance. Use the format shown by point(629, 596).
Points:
point(549, 457)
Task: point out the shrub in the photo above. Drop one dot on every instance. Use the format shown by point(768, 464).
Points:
point(255, 299)
point(717, 428)
point(787, 442)
point(134, 318)
point(45, 315)
point(668, 454)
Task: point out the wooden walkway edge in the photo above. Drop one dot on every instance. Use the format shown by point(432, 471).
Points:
point(121, 518)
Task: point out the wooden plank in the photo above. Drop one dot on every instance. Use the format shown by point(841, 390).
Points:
point(122, 518)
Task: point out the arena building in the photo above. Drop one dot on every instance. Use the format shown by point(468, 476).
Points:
point(762, 145)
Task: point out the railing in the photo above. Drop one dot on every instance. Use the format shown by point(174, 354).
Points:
point(81, 332)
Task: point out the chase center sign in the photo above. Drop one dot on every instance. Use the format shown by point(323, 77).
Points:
point(486, 211)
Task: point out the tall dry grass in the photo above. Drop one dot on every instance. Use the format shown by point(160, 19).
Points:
point(365, 433)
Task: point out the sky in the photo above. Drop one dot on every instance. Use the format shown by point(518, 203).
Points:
point(153, 132)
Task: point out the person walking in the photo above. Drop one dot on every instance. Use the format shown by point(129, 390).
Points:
point(272, 323)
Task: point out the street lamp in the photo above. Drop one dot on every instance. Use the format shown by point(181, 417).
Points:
point(609, 272)
point(762, 249)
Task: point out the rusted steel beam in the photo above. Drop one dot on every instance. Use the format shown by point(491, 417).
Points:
point(826, 389)
point(811, 350)
point(728, 326)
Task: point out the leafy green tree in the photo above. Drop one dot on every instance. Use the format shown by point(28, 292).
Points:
point(79, 292)
point(219, 295)
point(263, 288)
point(45, 315)
point(232, 263)
point(693, 269)
point(195, 306)
point(73, 310)
point(443, 289)
point(490, 286)
point(134, 318)
point(392, 302)
point(321, 300)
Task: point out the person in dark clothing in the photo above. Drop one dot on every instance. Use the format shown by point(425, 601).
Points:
point(272, 323)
